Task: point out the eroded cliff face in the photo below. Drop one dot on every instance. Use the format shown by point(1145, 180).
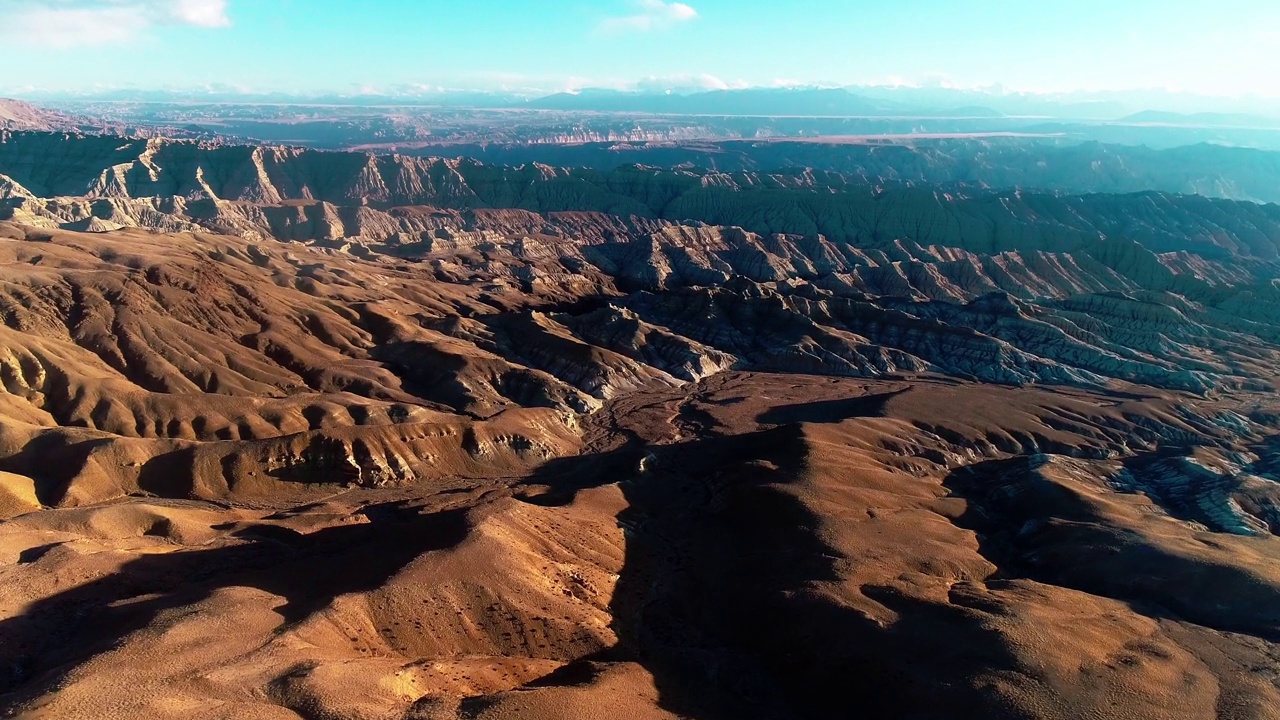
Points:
point(810, 269)
point(292, 434)
point(19, 115)
point(292, 193)
point(296, 194)
point(1061, 165)
point(185, 349)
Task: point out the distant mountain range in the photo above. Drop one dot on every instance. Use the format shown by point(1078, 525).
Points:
point(808, 102)
point(851, 101)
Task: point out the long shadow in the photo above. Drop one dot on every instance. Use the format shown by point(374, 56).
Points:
point(52, 460)
point(719, 596)
point(722, 596)
point(58, 633)
point(1033, 528)
point(830, 411)
point(725, 596)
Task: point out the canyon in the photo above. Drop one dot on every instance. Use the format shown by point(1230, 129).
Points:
point(939, 428)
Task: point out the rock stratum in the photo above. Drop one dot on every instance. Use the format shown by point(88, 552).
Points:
point(19, 115)
point(102, 165)
point(288, 434)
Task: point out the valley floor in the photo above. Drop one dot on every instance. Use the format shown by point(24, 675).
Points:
point(750, 545)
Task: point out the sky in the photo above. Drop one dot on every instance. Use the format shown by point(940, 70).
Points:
point(1219, 47)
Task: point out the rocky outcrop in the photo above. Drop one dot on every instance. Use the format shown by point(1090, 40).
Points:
point(19, 115)
point(1066, 165)
point(494, 461)
point(599, 282)
point(809, 223)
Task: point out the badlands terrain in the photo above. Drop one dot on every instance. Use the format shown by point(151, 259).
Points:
point(926, 432)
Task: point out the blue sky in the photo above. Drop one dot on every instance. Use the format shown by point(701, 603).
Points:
point(1227, 47)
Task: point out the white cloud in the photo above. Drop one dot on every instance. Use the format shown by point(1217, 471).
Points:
point(201, 13)
point(649, 15)
point(76, 23)
point(682, 83)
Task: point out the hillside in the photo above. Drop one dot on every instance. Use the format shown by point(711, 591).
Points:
point(19, 115)
point(448, 488)
point(294, 434)
point(52, 165)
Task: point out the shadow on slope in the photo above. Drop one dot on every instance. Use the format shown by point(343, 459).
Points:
point(1034, 526)
point(830, 411)
point(58, 633)
point(726, 596)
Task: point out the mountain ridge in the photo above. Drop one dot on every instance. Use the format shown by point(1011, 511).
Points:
point(299, 434)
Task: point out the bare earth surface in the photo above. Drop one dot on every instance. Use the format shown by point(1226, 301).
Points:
point(256, 479)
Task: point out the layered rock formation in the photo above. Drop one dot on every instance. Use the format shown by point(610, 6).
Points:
point(150, 164)
point(811, 268)
point(295, 434)
point(19, 115)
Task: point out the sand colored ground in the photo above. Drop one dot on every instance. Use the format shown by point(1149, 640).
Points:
point(260, 482)
point(753, 546)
